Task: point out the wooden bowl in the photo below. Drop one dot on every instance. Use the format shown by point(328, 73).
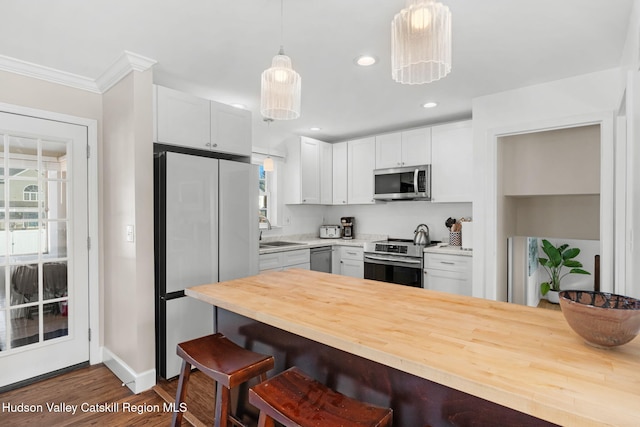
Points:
point(602, 319)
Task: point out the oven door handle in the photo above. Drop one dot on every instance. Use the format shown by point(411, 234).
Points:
point(396, 260)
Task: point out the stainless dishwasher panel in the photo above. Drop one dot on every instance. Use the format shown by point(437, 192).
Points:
point(321, 259)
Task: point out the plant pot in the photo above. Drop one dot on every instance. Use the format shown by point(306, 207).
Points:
point(553, 297)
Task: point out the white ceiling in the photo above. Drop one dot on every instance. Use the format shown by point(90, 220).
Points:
point(219, 48)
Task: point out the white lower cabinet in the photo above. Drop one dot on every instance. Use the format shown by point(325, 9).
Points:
point(300, 258)
point(351, 261)
point(448, 273)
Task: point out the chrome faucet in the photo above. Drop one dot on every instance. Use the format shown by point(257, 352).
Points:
point(262, 218)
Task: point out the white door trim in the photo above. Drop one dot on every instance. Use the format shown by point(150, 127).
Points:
point(488, 250)
point(95, 355)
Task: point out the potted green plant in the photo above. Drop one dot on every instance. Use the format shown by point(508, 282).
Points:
point(558, 258)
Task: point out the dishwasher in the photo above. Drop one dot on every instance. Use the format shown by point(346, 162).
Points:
point(321, 259)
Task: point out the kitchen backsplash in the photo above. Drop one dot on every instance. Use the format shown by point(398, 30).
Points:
point(395, 219)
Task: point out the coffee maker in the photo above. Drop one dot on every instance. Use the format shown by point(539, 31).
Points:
point(347, 227)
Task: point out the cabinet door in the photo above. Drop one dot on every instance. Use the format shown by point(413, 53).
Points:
point(352, 268)
point(361, 160)
point(230, 129)
point(326, 173)
point(452, 162)
point(182, 119)
point(340, 173)
point(309, 171)
point(416, 147)
point(335, 260)
point(389, 150)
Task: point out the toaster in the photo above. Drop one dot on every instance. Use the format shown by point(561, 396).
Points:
point(330, 232)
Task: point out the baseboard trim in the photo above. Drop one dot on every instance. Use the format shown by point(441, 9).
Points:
point(136, 382)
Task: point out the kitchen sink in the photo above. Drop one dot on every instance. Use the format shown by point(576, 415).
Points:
point(279, 243)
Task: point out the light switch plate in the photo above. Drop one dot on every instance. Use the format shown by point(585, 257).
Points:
point(130, 233)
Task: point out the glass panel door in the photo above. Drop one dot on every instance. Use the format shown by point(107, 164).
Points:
point(43, 261)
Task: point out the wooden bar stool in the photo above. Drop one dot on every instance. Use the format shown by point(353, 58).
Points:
point(295, 400)
point(227, 363)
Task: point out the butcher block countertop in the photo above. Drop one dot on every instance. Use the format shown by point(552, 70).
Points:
point(524, 358)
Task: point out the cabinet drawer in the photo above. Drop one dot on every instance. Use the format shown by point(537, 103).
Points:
point(455, 282)
point(349, 252)
point(300, 256)
point(448, 262)
point(270, 261)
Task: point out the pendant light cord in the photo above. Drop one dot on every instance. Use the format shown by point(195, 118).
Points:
point(281, 28)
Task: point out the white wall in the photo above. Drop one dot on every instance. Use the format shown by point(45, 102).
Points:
point(394, 219)
point(539, 106)
point(400, 219)
point(631, 76)
point(128, 199)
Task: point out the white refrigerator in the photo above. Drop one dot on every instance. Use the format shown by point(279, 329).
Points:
point(206, 231)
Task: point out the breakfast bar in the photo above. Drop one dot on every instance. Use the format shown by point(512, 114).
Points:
point(435, 358)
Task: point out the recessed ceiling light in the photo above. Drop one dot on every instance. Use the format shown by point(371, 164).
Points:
point(240, 106)
point(430, 104)
point(315, 128)
point(366, 60)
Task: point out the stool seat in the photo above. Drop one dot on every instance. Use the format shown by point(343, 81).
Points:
point(296, 400)
point(225, 362)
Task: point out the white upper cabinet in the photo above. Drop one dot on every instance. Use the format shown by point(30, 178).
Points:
point(361, 158)
point(308, 168)
point(416, 147)
point(230, 129)
point(401, 149)
point(182, 119)
point(389, 151)
point(326, 173)
point(309, 171)
point(452, 162)
point(340, 173)
point(186, 120)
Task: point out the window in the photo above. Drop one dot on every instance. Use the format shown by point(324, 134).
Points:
point(267, 191)
point(263, 194)
point(30, 193)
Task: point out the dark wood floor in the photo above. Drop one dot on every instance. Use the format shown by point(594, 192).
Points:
point(94, 388)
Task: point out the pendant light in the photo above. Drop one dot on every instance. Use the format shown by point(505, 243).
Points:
point(281, 85)
point(421, 42)
point(267, 164)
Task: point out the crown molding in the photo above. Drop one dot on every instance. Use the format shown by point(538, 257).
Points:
point(126, 62)
point(29, 69)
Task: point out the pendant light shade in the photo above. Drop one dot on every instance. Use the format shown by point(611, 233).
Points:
point(267, 164)
point(421, 42)
point(280, 90)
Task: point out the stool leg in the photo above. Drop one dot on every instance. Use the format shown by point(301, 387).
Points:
point(221, 418)
point(265, 421)
point(181, 393)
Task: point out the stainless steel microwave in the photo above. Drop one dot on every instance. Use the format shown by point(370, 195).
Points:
point(407, 183)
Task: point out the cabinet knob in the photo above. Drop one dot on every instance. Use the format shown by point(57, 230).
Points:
point(215, 145)
point(208, 144)
point(341, 262)
point(344, 201)
point(304, 200)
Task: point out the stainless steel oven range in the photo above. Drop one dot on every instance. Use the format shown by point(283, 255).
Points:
point(395, 261)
